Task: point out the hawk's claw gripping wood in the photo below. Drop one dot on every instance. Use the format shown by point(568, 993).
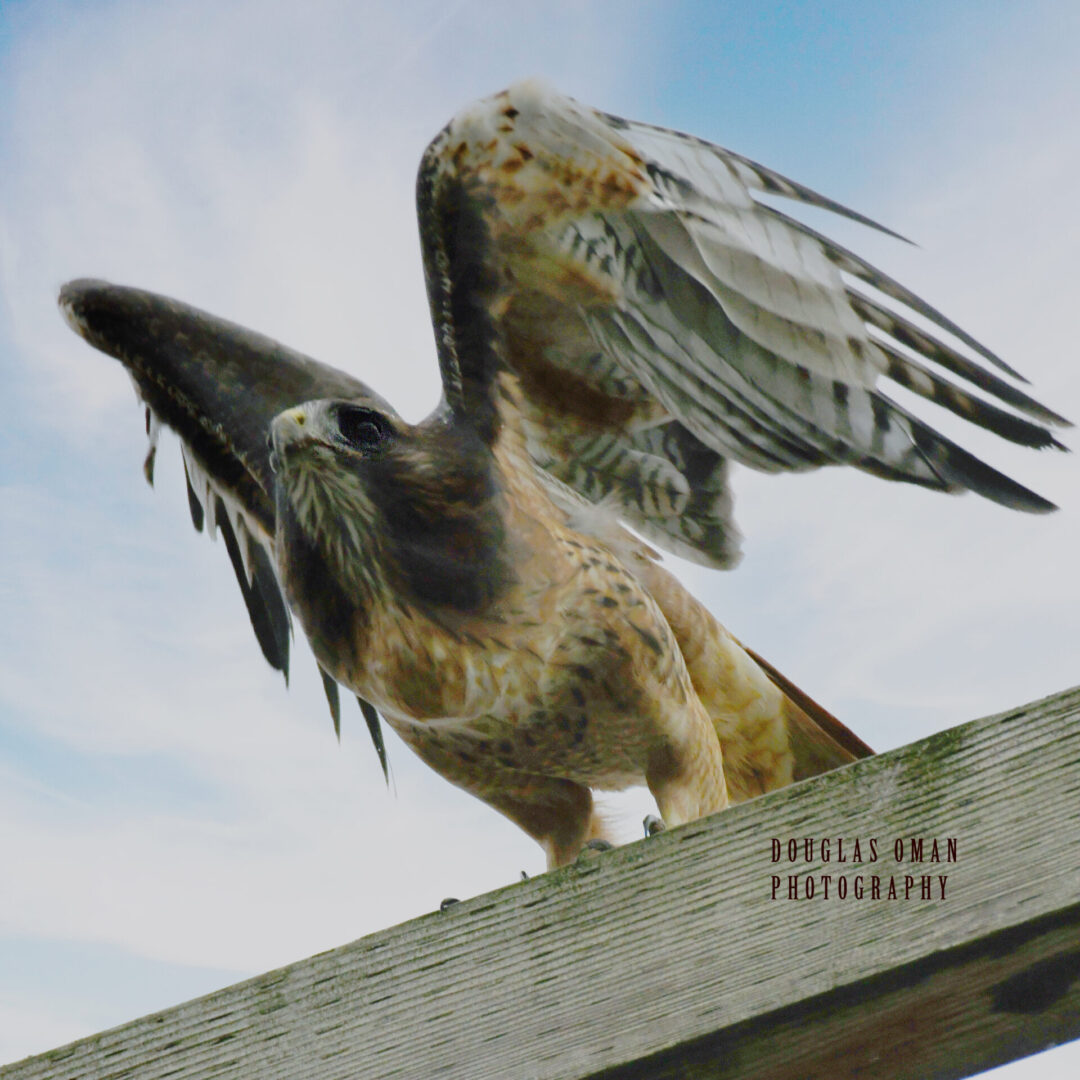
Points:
point(616, 317)
point(591, 848)
point(653, 825)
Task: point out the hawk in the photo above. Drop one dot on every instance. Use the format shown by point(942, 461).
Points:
point(617, 318)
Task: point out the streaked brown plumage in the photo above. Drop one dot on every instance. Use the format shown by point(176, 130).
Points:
point(570, 662)
point(613, 321)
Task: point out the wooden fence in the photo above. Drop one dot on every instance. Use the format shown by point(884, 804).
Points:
point(699, 953)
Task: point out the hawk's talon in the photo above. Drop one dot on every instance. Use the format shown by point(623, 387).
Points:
point(653, 825)
point(591, 848)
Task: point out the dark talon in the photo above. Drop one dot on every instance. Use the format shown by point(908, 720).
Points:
point(653, 825)
point(591, 848)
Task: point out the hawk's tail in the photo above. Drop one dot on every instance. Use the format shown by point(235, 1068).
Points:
point(821, 738)
point(771, 732)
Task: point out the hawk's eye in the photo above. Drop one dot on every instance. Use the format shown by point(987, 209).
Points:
point(362, 429)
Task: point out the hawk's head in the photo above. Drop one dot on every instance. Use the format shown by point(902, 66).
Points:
point(328, 430)
point(324, 455)
point(373, 508)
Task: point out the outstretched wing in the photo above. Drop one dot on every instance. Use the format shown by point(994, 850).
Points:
point(662, 320)
point(218, 386)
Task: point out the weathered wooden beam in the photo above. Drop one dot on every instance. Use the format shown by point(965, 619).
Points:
point(681, 956)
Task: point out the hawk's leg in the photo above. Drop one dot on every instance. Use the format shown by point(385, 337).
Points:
point(685, 769)
point(558, 814)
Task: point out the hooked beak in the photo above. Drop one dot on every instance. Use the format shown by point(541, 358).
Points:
point(288, 429)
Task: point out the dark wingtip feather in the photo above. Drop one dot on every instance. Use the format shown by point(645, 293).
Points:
point(262, 596)
point(912, 375)
point(929, 347)
point(148, 464)
point(956, 465)
point(892, 288)
point(776, 184)
point(194, 506)
point(333, 699)
point(371, 718)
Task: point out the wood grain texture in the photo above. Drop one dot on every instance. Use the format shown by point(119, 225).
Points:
point(668, 958)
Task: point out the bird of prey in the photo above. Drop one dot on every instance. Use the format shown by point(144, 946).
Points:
point(617, 317)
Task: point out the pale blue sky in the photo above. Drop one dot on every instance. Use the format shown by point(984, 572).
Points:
point(170, 817)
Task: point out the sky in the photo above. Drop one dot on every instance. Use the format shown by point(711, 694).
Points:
point(172, 819)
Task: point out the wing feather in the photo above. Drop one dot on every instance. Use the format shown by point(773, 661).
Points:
point(725, 175)
point(637, 268)
point(218, 386)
